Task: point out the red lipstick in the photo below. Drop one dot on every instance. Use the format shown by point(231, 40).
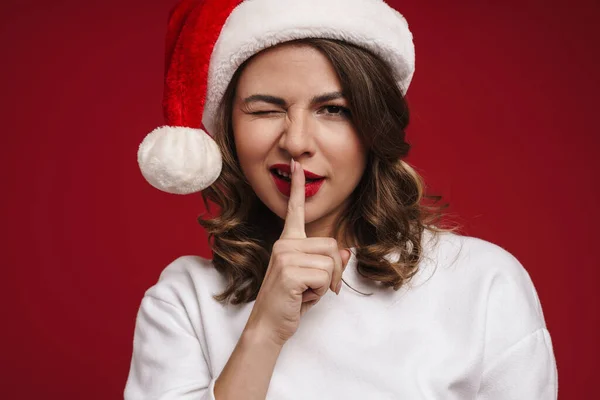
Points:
point(284, 184)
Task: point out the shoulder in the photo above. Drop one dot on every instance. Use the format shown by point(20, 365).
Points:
point(186, 280)
point(474, 260)
point(491, 277)
point(474, 257)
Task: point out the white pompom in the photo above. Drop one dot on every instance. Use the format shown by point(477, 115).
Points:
point(179, 160)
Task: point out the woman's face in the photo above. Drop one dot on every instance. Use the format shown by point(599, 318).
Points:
point(289, 104)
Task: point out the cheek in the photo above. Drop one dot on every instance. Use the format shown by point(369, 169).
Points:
point(251, 146)
point(348, 157)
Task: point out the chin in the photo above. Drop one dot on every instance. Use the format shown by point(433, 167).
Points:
point(274, 202)
point(278, 206)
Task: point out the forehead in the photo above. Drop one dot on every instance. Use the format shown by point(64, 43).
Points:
point(291, 68)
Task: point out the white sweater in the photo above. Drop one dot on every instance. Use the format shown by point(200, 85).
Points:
point(468, 326)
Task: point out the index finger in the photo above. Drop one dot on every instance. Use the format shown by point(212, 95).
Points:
point(294, 219)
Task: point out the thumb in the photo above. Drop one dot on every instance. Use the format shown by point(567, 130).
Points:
point(345, 255)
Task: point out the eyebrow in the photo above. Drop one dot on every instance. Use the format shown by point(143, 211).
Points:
point(278, 101)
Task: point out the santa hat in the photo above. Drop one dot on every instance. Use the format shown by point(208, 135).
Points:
point(207, 40)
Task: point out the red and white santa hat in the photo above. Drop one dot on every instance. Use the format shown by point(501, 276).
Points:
point(207, 40)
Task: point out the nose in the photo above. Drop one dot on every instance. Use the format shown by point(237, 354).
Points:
point(297, 137)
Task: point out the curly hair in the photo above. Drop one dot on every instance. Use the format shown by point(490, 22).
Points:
point(389, 210)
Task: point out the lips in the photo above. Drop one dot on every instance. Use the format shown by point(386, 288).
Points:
point(286, 168)
point(284, 184)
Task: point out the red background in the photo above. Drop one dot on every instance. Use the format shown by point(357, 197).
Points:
point(503, 125)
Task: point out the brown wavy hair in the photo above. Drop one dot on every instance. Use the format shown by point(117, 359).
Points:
point(389, 210)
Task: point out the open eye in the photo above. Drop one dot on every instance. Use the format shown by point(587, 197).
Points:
point(337, 110)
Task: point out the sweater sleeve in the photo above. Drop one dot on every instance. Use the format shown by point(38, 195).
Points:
point(526, 370)
point(168, 362)
point(518, 358)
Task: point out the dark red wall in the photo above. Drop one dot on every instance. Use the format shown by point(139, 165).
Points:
point(503, 125)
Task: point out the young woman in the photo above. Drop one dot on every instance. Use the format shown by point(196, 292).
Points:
point(305, 102)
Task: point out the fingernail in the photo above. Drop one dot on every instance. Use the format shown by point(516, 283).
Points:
point(339, 286)
point(347, 258)
point(293, 166)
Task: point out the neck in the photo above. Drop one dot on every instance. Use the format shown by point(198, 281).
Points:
point(326, 228)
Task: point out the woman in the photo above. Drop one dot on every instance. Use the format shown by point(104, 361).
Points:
point(307, 113)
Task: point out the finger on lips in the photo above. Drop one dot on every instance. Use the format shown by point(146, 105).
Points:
point(294, 220)
point(294, 227)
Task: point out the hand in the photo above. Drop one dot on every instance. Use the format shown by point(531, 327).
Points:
point(299, 273)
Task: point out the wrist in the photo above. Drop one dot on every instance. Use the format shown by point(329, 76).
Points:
point(256, 336)
point(249, 369)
